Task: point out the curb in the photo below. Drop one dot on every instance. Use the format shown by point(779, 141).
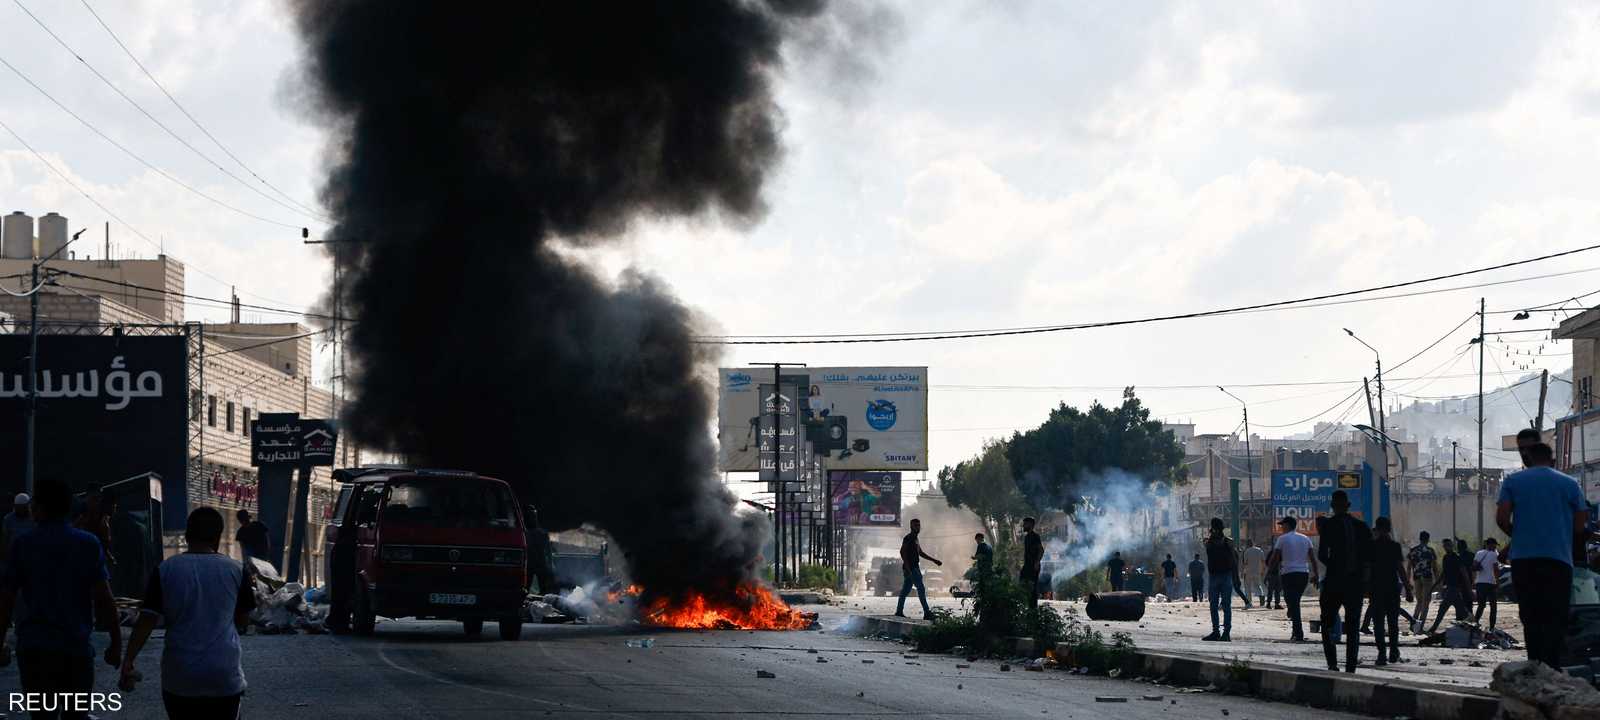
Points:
point(802, 597)
point(1339, 691)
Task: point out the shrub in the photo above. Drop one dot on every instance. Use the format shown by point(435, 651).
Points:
point(946, 631)
point(818, 576)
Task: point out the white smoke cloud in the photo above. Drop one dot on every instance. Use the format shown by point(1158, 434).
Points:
point(1115, 516)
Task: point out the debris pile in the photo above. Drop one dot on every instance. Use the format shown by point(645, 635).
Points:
point(1533, 691)
point(1463, 634)
point(285, 608)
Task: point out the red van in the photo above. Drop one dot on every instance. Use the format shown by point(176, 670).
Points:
point(442, 544)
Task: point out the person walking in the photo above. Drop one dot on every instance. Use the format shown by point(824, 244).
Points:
point(1388, 575)
point(1221, 568)
point(1197, 578)
point(1169, 577)
point(1422, 564)
point(96, 521)
point(1032, 558)
point(1114, 571)
point(1271, 574)
point(1251, 568)
point(1543, 512)
point(61, 572)
point(253, 539)
point(982, 563)
point(911, 555)
point(1486, 580)
point(1297, 564)
point(16, 522)
point(203, 597)
point(1453, 579)
point(1346, 556)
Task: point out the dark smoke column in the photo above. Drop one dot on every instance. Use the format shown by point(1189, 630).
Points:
point(468, 136)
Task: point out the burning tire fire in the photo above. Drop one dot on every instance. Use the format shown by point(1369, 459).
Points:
point(755, 608)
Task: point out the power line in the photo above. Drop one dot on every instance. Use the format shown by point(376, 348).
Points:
point(306, 210)
point(201, 298)
point(243, 348)
point(157, 121)
point(140, 159)
point(852, 338)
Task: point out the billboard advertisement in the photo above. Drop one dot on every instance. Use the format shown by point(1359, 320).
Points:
point(856, 418)
point(865, 498)
point(110, 408)
point(1308, 494)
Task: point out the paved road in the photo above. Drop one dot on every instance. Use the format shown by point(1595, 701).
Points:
point(428, 669)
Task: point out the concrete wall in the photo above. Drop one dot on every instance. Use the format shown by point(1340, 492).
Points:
point(1414, 513)
point(163, 272)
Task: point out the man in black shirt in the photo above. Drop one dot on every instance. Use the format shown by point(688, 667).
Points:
point(1222, 565)
point(1454, 579)
point(1032, 558)
point(1197, 578)
point(1346, 555)
point(911, 555)
point(253, 540)
point(1114, 568)
point(1388, 574)
point(1169, 579)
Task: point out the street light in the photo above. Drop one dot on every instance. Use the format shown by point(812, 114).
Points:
point(1249, 467)
point(33, 362)
point(1382, 426)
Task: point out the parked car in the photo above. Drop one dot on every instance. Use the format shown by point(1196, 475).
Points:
point(444, 544)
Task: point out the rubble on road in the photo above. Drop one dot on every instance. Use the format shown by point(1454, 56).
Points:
point(284, 608)
point(1463, 635)
point(1532, 691)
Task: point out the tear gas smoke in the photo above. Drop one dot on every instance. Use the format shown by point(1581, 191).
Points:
point(1113, 517)
point(468, 139)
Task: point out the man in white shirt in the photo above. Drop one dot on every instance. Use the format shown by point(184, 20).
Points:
point(1486, 579)
point(1297, 565)
point(204, 597)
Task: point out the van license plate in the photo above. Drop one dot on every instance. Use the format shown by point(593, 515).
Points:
point(452, 599)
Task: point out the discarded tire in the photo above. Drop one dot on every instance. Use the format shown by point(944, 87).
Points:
point(1119, 606)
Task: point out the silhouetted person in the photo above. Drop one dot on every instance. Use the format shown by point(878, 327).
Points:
point(61, 572)
point(1453, 578)
point(1543, 512)
point(1114, 570)
point(1169, 579)
point(1250, 567)
point(911, 555)
point(1388, 575)
point(1032, 558)
point(982, 561)
point(1346, 556)
point(1197, 578)
point(253, 539)
point(1221, 567)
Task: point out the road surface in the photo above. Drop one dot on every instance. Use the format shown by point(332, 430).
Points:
point(429, 670)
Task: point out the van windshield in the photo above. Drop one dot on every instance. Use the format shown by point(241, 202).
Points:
point(449, 503)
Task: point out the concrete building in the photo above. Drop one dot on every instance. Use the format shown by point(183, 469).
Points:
point(237, 372)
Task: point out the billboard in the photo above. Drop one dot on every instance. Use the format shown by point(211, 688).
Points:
point(856, 418)
point(1308, 494)
point(865, 498)
point(110, 408)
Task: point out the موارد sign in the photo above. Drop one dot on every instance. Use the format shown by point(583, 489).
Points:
point(1306, 495)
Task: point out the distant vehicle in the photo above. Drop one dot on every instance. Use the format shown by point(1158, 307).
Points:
point(442, 544)
point(887, 579)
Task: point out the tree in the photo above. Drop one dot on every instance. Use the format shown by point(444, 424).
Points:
point(1052, 463)
point(986, 486)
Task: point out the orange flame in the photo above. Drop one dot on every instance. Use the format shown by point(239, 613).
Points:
point(616, 596)
point(759, 610)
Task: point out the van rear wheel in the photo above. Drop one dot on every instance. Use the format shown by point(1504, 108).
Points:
point(511, 629)
point(473, 627)
point(364, 620)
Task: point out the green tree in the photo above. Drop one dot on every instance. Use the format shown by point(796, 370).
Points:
point(1049, 462)
point(987, 486)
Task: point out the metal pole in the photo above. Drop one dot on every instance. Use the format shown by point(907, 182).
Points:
point(1249, 466)
point(1482, 308)
point(1383, 431)
point(1455, 488)
point(33, 386)
point(1544, 387)
point(777, 478)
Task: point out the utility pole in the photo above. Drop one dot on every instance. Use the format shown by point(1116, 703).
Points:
point(1482, 309)
point(1544, 387)
point(1455, 488)
point(33, 363)
point(1383, 433)
point(1249, 465)
point(779, 526)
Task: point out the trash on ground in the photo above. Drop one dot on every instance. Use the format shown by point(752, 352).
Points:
point(642, 643)
point(1110, 699)
point(764, 675)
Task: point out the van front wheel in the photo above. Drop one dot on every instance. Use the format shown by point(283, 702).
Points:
point(511, 629)
point(473, 627)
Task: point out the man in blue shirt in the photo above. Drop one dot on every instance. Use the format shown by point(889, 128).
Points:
point(1542, 511)
point(61, 573)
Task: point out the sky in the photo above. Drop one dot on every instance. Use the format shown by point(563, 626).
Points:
point(968, 165)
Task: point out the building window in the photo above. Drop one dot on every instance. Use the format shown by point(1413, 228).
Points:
point(196, 403)
point(244, 422)
point(211, 410)
point(229, 424)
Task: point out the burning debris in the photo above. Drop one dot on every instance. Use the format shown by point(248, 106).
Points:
point(473, 150)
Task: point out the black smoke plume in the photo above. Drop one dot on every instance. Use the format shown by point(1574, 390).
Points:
point(469, 137)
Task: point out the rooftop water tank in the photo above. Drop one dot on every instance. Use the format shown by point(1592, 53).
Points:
point(52, 234)
point(16, 236)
